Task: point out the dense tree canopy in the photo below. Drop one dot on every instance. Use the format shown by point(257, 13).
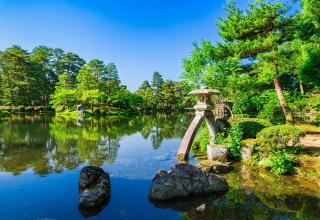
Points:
point(264, 59)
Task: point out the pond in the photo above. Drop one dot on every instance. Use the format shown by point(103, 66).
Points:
point(41, 158)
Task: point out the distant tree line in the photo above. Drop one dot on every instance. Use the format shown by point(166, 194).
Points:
point(54, 78)
point(166, 94)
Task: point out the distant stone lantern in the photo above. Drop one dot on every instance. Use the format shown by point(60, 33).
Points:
point(203, 109)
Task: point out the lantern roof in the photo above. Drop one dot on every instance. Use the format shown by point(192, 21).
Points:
point(204, 91)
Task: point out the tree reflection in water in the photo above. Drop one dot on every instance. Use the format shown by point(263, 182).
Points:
point(51, 144)
point(260, 194)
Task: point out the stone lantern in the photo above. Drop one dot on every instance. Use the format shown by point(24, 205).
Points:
point(203, 109)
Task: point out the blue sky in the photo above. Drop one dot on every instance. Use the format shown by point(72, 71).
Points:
point(139, 36)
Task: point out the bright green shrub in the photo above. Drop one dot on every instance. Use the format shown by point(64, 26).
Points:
point(65, 99)
point(314, 103)
point(219, 138)
point(202, 139)
point(281, 162)
point(270, 106)
point(272, 112)
point(235, 137)
point(251, 127)
point(277, 137)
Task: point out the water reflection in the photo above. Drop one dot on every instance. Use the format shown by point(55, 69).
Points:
point(259, 194)
point(242, 204)
point(88, 212)
point(45, 144)
point(198, 203)
point(51, 144)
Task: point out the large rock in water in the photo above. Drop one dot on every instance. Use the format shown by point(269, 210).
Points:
point(94, 187)
point(185, 180)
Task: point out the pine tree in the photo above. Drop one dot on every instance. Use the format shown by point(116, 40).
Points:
point(258, 34)
point(16, 76)
point(157, 82)
point(45, 79)
point(111, 79)
point(145, 91)
point(86, 79)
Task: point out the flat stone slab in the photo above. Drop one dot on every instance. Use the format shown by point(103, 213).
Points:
point(217, 152)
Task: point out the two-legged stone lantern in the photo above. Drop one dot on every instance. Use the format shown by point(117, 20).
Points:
point(203, 109)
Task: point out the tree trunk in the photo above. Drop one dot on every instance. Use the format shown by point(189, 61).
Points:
point(301, 87)
point(285, 108)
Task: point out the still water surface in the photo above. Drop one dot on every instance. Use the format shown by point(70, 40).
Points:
point(41, 158)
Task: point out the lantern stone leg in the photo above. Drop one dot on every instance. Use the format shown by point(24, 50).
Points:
point(212, 130)
point(188, 137)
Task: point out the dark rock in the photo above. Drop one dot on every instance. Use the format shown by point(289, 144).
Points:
point(94, 187)
point(185, 180)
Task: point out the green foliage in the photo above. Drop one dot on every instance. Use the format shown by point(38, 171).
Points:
point(282, 163)
point(277, 137)
point(145, 91)
point(202, 139)
point(314, 103)
point(235, 137)
point(271, 109)
point(262, 50)
point(63, 80)
point(220, 138)
point(311, 11)
point(90, 98)
point(68, 63)
point(86, 80)
point(170, 95)
point(310, 65)
point(17, 85)
point(157, 82)
point(156, 85)
point(251, 127)
point(65, 99)
point(125, 99)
